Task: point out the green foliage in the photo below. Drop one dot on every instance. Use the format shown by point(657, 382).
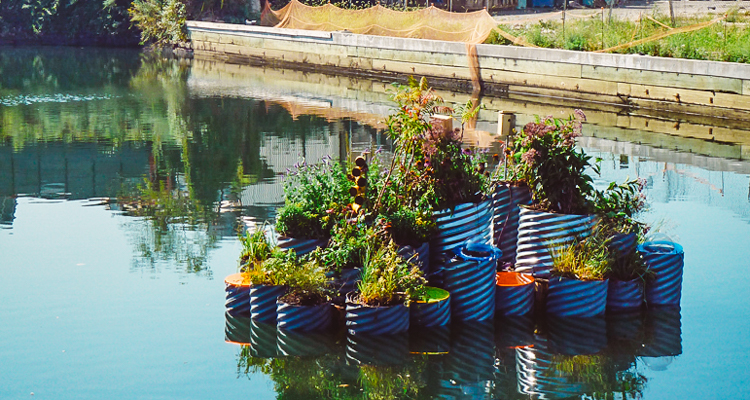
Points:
point(255, 249)
point(161, 22)
point(387, 278)
point(630, 266)
point(409, 226)
point(619, 204)
point(584, 259)
point(544, 156)
point(306, 280)
point(349, 245)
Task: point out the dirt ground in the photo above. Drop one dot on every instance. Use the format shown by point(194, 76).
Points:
point(626, 10)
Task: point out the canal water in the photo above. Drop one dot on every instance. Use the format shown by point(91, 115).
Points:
point(124, 181)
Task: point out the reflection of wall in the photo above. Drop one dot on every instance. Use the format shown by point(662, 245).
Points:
point(7, 210)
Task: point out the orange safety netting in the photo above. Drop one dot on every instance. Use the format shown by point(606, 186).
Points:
point(427, 23)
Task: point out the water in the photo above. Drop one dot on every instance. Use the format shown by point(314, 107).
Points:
point(105, 295)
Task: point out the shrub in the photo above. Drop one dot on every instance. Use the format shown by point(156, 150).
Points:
point(387, 278)
point(161, 22)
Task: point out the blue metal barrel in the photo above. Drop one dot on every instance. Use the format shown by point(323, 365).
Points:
point(362, 319)
point(419, 256)
point(430, 314)
point(472, 288)
point(464, 222)
point(514, 294)
point(624, 295)
point(263, 302)
point(237, 295)
point(304, 318)
point(622, 244)
point(505, 218)
point(539, 232)
point(667, 260)
point(300, 246)
point(573, 298)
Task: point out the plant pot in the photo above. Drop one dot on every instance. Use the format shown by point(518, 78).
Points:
point(237, 295)
point(624, 295)
point(472, 288)
point(468, 221)
point(301, 246)
point(622, 244)
point(303, 318)
point(573, 298)
point(263, 302)
point(369, 320)
point(540, 232)
point(345, 281)
point(419, 256)
point(514, 294)
point(431, 313)
point(505, 217)
point(237, 329)
point(667, 260)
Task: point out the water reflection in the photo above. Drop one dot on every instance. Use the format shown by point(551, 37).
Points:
point(553, 358)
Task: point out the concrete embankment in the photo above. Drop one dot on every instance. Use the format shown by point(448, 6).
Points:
point(716, 89)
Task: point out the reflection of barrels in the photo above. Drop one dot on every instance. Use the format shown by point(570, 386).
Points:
point(300, 246)
point(573, 298)
point(262, 339)
point(377, 349)
point(459, 224)
point(303, 344)
point(237, 329)
point(263, 302)
point(577, 336)
point(663, 332)
point(622, 244)
point(540, 232)
point(304, 318)
point(505, 373)
point(505, 216)
point(425, 315)
point(625, 333)
point(472, 288)
point(538, 376)
point(624, 295)
point(514, 294)
point(419, 256)
point(433, 340)
point(362, 319)
point(472, 355)
point(514, 331)
point(666, 259)
point(237, 295)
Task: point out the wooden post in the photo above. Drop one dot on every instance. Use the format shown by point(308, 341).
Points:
point(506, 120)
point(671, 13)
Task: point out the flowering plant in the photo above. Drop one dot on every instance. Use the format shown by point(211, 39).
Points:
point(619, 204)
point(544, 155)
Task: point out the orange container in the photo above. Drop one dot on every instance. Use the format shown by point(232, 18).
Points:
point(514, 293)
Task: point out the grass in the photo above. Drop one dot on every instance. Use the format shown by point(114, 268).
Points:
point(727, 40)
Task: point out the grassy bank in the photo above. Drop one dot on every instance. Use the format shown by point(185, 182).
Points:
point(727, 40)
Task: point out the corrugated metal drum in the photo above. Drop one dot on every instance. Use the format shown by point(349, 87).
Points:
point(362, 319)
point(301, 246)
point(304, 318)
point(263, 302)
point(624, 295)
point(505, 218)
point(573, 298)
point(514, 293)
point(464, 222)
point(237, 295)
point(667, 260)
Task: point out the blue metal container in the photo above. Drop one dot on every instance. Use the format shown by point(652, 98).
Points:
point(346, 280)
point(540, 232)
point(514, 293)
point(430, 314)
point(237, 295)
point(262, 339)
point(667, 260)
point(505, 218)
point(237, 329)
point(419, 256)
point(577, 336)
point(304, 318)
point(303, 344)
point(573, 298)
point(624, 295)
point(301, 246)
point(464, 222)
point(263, 302)
point(367, 349)
point(362, 319)
point(471, 283)
point(622, 244)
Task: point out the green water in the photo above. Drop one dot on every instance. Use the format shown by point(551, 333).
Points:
point(123, 182)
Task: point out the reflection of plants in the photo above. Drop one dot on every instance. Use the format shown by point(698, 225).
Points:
point(599, 374)
point(382, 382)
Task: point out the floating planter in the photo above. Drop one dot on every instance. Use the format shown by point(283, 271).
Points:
point(386, 320)
point(263, 302)
point(577, 336)
point(377, 349)
point(470, 279)
point(237, 295)
point(303, 318)
point(539, 232)
point(464, 222)
point(262, 339)
point(300, 246)
point(573, 298)
point(667, 260)
point(514, 293)
point(622, 243)
point(505, 217)
point(624, 295)
point(420, 256)
point(237, 329)
point(432, 310)
point(302, 344)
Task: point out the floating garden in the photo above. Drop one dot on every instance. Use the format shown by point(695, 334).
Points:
point(438, 236)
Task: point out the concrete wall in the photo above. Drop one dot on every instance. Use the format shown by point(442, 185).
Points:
point(699, 87)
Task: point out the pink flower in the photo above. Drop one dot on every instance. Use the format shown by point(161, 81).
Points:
point(529, 156)
point(579, 115)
